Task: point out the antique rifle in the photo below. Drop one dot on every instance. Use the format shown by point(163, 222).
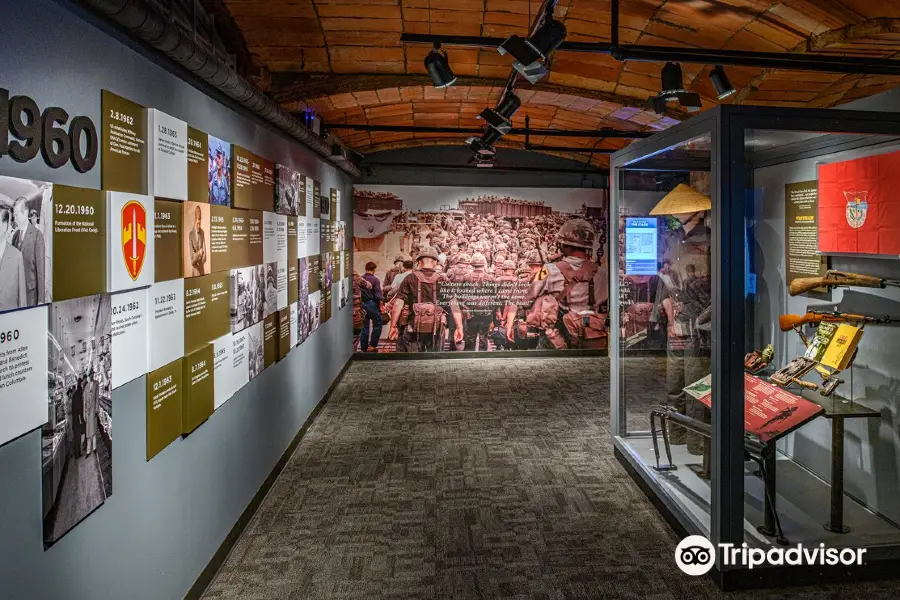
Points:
point(814, 317)
point(834, 279)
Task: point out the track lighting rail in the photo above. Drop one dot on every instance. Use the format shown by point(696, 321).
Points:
point(578, 133)
point(702, 56)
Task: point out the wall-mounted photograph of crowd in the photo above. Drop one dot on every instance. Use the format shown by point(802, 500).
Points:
point(445, 269)
point(76, 441)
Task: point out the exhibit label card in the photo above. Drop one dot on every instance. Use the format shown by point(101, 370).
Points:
point(310, 192)
point(167, 239)
point(131, 241)
point(199, 167)
point(240, 365)
point(284, 332)
point(219, 233)
point(243, 181)
point(301, 237)
point(130, 354)
point(255, 237)
point(169, 154)
point(223, 366)
point(206, 310)
point(334, 205)
point(270, 243)
point(166, 323)
point(238, 240)
point(270, 340)
point(79, 242)
point(164, 406)
point(199, 389)
point(801, 211)
point(317, 199)
point(293, 325)
point(124, 161)
point(282, 283)
point(23, 371)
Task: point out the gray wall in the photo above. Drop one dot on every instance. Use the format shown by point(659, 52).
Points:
point(166, 517)
point(872, 457)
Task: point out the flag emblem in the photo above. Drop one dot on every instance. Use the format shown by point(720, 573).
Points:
point(134, 237)
point(857, 207)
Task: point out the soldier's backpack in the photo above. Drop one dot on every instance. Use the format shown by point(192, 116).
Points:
point(588, 329)
point(426, 315)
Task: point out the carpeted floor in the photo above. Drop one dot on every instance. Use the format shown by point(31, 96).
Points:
point(485, 478)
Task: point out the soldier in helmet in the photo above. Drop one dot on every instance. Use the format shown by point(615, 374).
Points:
point(399, 259)
point(219, 178)
point(421, 292)
point(478, 317)
point(567, 299)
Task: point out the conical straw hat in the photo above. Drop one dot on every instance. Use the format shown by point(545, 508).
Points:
point(682, 200)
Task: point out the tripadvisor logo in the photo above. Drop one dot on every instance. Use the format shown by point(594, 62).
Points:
point(696, 555)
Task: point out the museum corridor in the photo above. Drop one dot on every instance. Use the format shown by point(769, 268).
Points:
point(485, 478)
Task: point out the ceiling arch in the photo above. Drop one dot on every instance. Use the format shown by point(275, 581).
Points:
point(344, 59)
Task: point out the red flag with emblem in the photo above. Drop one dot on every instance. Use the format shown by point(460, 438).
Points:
point(858, 207)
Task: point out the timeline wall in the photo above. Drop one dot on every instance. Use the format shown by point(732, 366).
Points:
point(137, 313)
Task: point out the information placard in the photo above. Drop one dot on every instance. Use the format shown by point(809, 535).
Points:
point(206, 310)
point(124, 161)
point(240, 364)
point(641, 252)
point(254, 237)
point(164, 406)
point(130, 354)
point(284, 332)
point(223, 367)
point(167, 239)
point(169, 141)
point(166, 322)
point(270, 340)
point(801, 211)
point(238, 240)
point(79, 240)
point(199, 388)
point(219, 234)
point(199, 166)
point(23, 372)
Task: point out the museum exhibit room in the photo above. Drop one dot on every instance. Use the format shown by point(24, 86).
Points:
point(464, 299)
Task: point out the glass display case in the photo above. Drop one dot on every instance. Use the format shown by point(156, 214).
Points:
point(754, 389)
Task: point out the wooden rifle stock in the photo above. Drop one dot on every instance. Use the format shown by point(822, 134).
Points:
point(801, 285)
point(788, 322)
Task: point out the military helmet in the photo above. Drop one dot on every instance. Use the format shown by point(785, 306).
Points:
point(576, 232)
point(463, 259)
point(427, 252)
point(400, 258)
point(533, 257)
point(478, 260)
point(508, 264)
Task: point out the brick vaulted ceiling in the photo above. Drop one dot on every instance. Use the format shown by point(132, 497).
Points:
point(344, 59)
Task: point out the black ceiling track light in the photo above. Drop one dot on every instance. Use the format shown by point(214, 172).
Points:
point(532, 54)
point(438, 66)
point(720, 81)
point(673, 91)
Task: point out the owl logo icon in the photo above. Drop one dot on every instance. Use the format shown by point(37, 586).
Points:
point(857, 207)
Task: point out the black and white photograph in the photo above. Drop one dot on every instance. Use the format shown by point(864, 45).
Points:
point(303, 312)
point(25, 238)
point(255, 351)
point(315, 311)
point(248, 296)
point(345, 293)
point(340, 242)
point(290, 193)
point(76, 442)
point(271, 289)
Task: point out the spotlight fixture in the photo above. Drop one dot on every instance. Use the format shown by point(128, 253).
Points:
point(438, 66)
point(533, 54)
point(720, 81)
point(500, 118)
point(673, 90)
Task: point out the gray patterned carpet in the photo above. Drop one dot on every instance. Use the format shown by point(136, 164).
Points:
point(466, 479)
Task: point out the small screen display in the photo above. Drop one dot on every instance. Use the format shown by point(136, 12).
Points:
point(641, 237)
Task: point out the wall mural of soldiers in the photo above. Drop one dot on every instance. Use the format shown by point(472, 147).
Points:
point(503, 273)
